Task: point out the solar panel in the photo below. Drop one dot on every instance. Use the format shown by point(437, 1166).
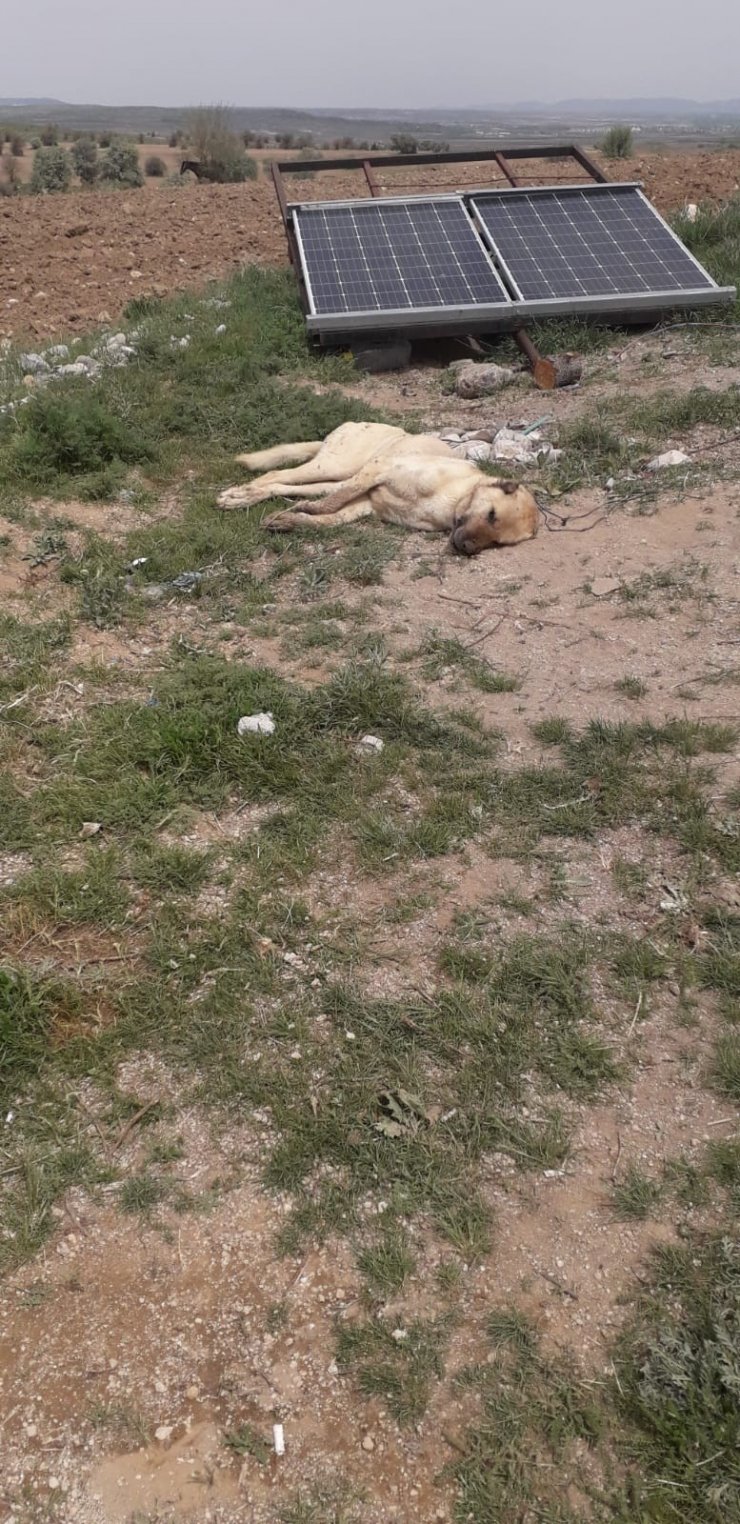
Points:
point(394, 256)
point(596, 241)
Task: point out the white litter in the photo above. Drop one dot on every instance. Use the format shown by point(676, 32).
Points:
point(370, 743)
point(525, 450)
point(669, 458)
point(256, 724)
point(221, 328)
point(278, 1438)
point(692, 211)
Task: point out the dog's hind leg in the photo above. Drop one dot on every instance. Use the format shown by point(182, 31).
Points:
point(314, 518)
point(280, 455)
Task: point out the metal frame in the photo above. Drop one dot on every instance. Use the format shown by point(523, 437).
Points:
point(494, 317)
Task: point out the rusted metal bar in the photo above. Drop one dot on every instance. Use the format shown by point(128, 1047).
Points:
point(589, 164)
point(277, 180)
point(372, 179)
point(462, 156)
point(506, 169)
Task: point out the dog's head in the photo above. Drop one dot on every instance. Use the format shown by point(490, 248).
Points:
point(498, 513)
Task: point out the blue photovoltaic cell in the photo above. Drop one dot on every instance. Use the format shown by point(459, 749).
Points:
point(376, 257)
point(588, 243)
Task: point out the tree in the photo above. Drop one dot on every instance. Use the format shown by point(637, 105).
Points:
point(17, 146)
point(218, 149)
point(155, 167)
point(52, 171)
point(402, 142)
point(49, 135)
point(84, 156)
point(120, 166)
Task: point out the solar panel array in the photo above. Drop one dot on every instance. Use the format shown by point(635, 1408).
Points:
point(570, 244)
point(379, 256)
point(491, 258)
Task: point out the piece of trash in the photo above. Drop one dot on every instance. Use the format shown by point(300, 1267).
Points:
point(512, 445)
point(691, 211)
point(187, 581)
point(473, 449)
point(399, 1334)
point(256, 724)
point(602, 586)
point(90, 828)
point(136, 563)
point(278, 1438)
point(370, 743)
point(221, 329)
point(668, 458)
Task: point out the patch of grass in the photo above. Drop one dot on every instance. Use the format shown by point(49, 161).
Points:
point(628, 877)
point(631, 687)
point(387, 1263)
point(714, 237)
point(534, 1414)
point(439, 653)
point(171, 869)
point(679, 1376)
point(141, 1193)
point(93, 894)
point(635, 1194)
point(397, 1364)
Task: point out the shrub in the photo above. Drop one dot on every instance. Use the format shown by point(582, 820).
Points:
point(49, 135)
point(617, 144)
point(84, 156)
point(218, 149)
point(72, 435)
point(35, 144)
point(105, 139)
point(10, 175)
point(155, 167)
point(174, 139)
point(121, 166)
point(402, 142)
point(17, 146)
point(306, 153)
point(52, 171)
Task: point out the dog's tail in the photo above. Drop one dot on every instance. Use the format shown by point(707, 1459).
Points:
point(280, 455)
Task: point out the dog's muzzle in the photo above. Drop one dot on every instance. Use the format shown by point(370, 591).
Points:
point(460, 542)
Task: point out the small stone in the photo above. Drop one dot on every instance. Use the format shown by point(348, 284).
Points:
point(53, 1483)
point(602, 586)
point(192, 1392)
point(370, 744)
point(163, 1433)
point(31, 1430)
point(368, 1443)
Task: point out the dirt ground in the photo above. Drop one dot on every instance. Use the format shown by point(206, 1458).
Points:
point(72, 261)
point(128, 1348)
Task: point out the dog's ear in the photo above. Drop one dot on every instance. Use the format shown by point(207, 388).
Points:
point(508, 487)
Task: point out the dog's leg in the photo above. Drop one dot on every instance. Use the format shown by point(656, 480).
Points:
point(279, 484)
point(280, 455)
point(314, 518)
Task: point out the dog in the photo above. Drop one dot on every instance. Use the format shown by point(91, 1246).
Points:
point(415, 480)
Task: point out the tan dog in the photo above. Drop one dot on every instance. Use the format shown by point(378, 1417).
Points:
point(413, 480)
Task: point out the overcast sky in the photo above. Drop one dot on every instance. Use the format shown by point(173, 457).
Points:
point(412, 53)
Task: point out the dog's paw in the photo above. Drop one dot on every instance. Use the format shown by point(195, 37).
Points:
point(234, 497)
point(279, 523)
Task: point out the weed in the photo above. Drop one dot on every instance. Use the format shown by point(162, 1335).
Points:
point(631, 687)
point(635, 1193)
point(617, 143)
point(397, 1364)
point(440, 653)
point(388, 1263)
point(246, 1440)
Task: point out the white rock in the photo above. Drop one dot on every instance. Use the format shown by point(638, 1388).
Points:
point(58, 352)
point(368, 1442)
point(691, 210)
point(473, 449)
point(221, 328)
point(33, 364)
point(256, 724)
point(668, 458)
point(164, 1432)
point(278, 1438)
point(370, 744)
